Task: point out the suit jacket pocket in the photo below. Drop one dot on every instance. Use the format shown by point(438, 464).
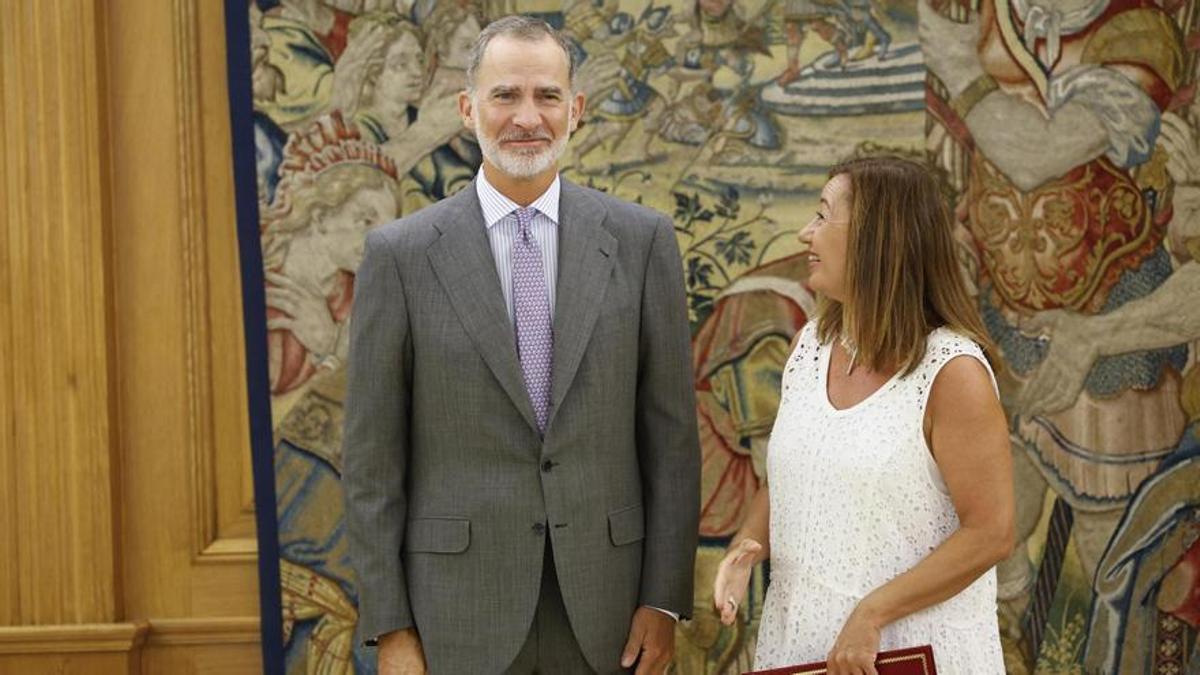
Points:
point(437, 535)
point(627, 525)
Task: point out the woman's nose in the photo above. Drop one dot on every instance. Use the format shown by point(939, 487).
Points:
point(805, 234)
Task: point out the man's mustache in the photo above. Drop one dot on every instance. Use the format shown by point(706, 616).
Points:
point(535, 135)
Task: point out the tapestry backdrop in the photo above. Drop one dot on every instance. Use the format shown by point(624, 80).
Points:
point(1065, 132)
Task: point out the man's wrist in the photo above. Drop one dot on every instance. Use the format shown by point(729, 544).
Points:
point(1106, 339)
point(668, 612)
point(379, 639)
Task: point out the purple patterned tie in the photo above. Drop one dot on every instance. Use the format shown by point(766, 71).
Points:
point(531, 307)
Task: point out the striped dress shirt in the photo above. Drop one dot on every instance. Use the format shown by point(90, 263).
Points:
point(502, 232)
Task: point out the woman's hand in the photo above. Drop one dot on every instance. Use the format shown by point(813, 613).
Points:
point(856, 647)
point(733, 577)
point(308, 317)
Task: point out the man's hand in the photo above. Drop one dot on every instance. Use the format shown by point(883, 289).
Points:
point(308, 314)
point(399, 653)
point(651, 642)
point(1178, 137)
point(1057, 381)
point(949, 48)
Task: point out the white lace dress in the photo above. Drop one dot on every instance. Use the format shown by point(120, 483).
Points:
point(856, 499)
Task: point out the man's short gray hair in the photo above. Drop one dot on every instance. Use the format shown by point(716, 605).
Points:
point(520, 27)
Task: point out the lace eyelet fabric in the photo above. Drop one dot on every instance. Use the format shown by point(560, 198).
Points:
point(856, 500)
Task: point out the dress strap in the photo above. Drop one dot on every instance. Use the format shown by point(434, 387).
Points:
point(943, 346)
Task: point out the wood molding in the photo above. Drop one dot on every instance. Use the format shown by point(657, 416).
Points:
point(73, 639)
point(190, 545)
point(215, 644)
point(234, 466)
point(213, 490)
point(59, 463)
point(231, 550)
point(225, 645)
point(205, 631)
point(195, 278)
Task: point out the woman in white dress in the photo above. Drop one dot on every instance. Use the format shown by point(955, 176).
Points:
point(889, 495)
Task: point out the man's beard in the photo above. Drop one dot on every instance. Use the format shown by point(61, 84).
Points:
point(524, 163)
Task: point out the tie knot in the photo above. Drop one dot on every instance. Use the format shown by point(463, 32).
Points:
point(524, 219)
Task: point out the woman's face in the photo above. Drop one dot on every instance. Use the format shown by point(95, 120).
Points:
point(827, 236)
point(399, 76)
point(342, 230)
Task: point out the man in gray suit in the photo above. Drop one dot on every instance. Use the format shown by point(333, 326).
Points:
point(521, 460)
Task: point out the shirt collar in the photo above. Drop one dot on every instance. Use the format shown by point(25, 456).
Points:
point(496, 206)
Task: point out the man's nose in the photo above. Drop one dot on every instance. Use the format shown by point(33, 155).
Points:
point(527, 115)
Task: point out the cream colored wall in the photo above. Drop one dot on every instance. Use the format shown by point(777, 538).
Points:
point(126, 507)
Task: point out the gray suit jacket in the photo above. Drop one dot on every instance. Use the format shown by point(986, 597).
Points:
point(450, 491)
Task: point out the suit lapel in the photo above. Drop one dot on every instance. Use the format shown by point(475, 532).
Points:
point(586, 254)
point(462, 259)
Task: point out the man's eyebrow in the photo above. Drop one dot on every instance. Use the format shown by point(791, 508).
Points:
point(504, 89)
point(552, 89)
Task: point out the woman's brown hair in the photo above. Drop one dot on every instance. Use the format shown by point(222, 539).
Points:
point(902, 276)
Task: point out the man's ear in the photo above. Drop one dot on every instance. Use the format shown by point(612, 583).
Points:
point(466, 109)
point(577, 106)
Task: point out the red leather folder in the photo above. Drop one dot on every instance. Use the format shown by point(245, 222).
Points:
point(909, 661)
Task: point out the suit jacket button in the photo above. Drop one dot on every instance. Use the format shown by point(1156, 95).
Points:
point(539, 528)
point(547, 466)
